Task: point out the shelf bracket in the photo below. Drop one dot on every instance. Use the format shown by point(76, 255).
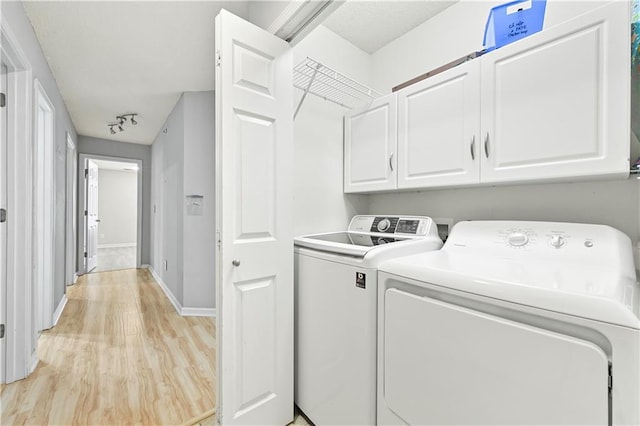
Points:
point(306, 91)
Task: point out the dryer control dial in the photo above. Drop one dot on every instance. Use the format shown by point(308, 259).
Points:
point(383, 225)
point(517, 239)
point(557, 241)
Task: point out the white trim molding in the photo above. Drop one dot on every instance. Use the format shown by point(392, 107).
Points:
point(58, 312)
point(118, 245)
point(18, 359)
point(180, 310)
point(300, 17)
point(44, 119)
point(198, 312)
point(167, 292)
point(33, 363)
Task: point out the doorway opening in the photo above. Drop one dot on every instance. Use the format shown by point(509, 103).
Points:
point(112, 204)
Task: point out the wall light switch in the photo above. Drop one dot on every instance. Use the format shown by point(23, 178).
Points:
point(194, 205)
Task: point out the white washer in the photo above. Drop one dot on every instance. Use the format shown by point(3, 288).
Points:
point(511, 323)
point(335, 317)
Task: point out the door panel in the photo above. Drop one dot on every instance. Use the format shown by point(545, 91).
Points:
point(438, 136)
point(92, 216)
point(370, 146)
point(583, 68)
point(466, 367)
point(254, 163)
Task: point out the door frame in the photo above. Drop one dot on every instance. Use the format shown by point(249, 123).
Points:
point(44, 203)
point(71, 223)
point(82, 199)
point(19, 357)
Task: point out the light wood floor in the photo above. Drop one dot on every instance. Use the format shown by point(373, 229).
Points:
point(119, 355)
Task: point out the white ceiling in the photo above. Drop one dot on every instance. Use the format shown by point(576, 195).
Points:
point(118, 57)
point(371, 25)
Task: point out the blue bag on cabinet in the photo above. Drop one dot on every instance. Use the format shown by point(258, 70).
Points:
point(512, 21)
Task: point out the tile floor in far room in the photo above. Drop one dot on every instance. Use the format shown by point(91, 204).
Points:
point(114, 258)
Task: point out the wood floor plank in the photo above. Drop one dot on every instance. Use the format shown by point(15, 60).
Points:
point(119, 355)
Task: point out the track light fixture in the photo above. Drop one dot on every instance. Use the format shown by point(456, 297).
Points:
point(121, 120)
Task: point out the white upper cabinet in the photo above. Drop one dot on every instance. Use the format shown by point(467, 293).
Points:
point(370, 146)
point(439, 129)
point(556, 105)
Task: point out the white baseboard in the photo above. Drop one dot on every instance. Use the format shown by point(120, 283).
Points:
point(198, 312)
point(183, 311)
point(59, 309)
point(145, 266)
point(75, 278)
point(33, 362)
point(118, 245)
point(167, 292)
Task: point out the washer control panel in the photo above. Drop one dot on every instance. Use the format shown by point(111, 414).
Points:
point(397, 225)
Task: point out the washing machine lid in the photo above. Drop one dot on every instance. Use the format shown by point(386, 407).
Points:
point(347, 243)
point(589, 274)
point(367, 233)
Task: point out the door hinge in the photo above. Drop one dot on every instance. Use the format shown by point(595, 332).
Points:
point(3, 215)
point(86, 172)
point(218, 58)
point(85, 254)
point(610, 380)
point(3, 100)
point(1, 331)
point(86, 212)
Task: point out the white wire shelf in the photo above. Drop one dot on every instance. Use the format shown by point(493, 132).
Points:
point(313, 77)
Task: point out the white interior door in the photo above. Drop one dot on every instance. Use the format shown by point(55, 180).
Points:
point(254, 162)
point(91, 216)
point(3, 223)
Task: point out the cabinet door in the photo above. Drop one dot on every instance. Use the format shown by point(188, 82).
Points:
point(370, 146)
point(438, 129)
point(556, 105)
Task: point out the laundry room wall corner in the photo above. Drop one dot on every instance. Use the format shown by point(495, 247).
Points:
point(319, 202)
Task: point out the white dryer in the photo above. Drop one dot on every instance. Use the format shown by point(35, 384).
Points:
point(335, 313)
point(511, 323)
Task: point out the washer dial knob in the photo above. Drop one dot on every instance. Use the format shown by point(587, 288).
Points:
point(517, 239)
point(557, 241)
point(383, 225)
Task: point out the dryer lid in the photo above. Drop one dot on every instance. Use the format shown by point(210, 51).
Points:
point(589, 274)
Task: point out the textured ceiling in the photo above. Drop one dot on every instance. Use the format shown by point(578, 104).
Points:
point(120, 57)
point(371, 25)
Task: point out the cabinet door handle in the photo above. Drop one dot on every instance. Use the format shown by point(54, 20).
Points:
point(473, 148)
point(486, 145)
point(391, 161)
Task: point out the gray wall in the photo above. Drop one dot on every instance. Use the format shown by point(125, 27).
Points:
point(168, 184)
point(183, 164)
point(117, 207)
point(96, 146)
point(199, 178)
point(14, 16)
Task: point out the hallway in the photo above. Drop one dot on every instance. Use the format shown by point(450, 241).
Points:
point(120, 354)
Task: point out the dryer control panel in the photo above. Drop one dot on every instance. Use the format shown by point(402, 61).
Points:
point(397, 225)
point(591, 244)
